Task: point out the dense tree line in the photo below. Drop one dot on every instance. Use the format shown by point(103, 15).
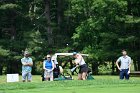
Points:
point(101, 28)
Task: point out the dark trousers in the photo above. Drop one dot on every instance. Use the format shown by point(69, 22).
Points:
point(124, 73)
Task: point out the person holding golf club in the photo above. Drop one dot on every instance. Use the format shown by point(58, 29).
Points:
point(27, 64)
point(83, 68)
point(48, 67)
point(124, 68)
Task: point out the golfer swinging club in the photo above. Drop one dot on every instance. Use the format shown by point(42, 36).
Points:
point(79, 60)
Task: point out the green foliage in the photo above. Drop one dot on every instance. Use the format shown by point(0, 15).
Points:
point(105, 68)
point(132, 19)
point(4, 52)
point(100, 28)
point(9, 7)
point(103, 33)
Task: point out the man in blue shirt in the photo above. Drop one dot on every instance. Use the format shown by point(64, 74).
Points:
point(27, 64)
point(48, 67)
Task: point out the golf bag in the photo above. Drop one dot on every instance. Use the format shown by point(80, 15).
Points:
point(56, 72)
point(63, 77)
point(42, 75)
point(89, 74)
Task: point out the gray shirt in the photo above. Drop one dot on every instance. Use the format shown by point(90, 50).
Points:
point(125, 62)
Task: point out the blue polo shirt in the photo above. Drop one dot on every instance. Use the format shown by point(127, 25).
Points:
point(48, 64)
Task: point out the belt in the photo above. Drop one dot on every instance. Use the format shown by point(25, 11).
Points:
point(124, 68)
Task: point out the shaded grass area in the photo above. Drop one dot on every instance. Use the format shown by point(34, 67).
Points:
point(101, 84)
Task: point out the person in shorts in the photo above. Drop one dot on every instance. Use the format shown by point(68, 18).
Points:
point(48, 67)
point(27, 64)
point(125, 64)
point(80, 62)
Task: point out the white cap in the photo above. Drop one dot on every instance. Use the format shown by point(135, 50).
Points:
point(48, 56)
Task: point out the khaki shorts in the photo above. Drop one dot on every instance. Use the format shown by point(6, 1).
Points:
point(48, 74)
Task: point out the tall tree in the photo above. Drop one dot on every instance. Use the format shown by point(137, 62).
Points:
point(48, 17)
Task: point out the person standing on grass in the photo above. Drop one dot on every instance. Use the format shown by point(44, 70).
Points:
point(27, 64)
point(125, 64)
point(48, 67)
point(80, 62)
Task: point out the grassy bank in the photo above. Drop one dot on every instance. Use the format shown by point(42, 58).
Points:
point(101, 84)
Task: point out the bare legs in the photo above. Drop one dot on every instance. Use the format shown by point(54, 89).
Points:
point(82, 76)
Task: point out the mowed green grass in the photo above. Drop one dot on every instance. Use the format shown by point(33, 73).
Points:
point(101, 84)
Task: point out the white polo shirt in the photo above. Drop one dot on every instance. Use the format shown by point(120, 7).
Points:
point(125, 61)
point(80, 60)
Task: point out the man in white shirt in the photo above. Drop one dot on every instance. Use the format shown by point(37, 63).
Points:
point(124, 68)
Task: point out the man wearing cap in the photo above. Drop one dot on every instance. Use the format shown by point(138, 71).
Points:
point(124, 68)
point(48, 67)
point(80, 62)
point(27, 64)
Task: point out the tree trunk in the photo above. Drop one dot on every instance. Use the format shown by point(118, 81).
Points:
point(138, 64)
point(95, 68)
point(135, 65)
point(59, 12)
point(113, 67)
point(1, 69)
point(48, 17)
point(9, 70)
point(60, 29)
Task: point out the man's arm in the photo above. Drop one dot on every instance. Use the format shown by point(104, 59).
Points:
point(24, 63)
point(30, 62)
point(130, 65)
point(44, 65)
point(129, 68)
point(118, 64)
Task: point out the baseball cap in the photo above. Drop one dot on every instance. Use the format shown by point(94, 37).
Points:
point(48, 56)
point(74, 53)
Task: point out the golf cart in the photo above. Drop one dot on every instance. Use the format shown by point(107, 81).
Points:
point(66, 75)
